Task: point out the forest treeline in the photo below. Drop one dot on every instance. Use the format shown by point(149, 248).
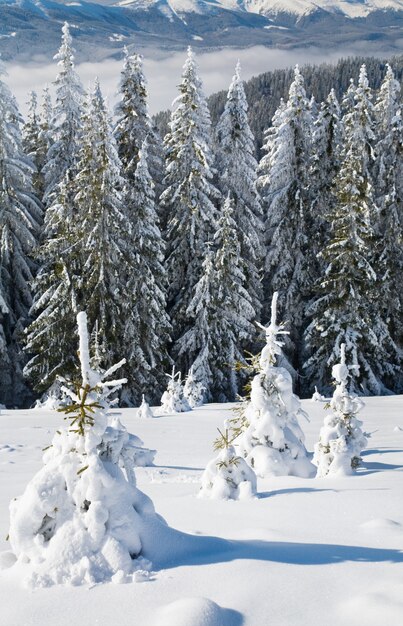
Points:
point(175, 246)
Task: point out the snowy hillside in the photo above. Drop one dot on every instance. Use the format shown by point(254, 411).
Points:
point(352, 9)
point(305, 552)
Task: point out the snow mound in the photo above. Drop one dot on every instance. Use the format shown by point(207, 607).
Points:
point(381, 606)
point(7, 559)
point(381, 524)
point(194, 612)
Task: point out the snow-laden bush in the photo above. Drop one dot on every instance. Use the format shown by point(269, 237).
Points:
point(144, 409)
point(193, 390)
point(341, 439)
point(228, 476)
point(81, 517)
point(272, 441)
point(173, 400)
point(317, 396)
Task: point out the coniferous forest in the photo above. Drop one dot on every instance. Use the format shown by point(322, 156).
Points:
point(174, 246)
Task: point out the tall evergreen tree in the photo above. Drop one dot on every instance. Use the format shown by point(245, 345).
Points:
point(220, 315)
point(148, 329)
point(102, 234)
point(347, 309)
point(51, 338)
point(389, 195)
point(20, 214)
point(326, 147)
point(134, 124)
point(189, 196)
point(235, 305)
point(284, 184)
point(237, 174)
point(36, 139)
point(62, 155)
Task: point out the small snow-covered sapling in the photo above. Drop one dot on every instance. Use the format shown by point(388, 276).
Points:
point(80, 518)
point(173, 400)
point(144, 409)
point(272, 441)
point(317, 397)
point(228, 476)
point(341, 439)
point(193, 390)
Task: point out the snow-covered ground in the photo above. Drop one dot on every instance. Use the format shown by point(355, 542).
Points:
point(304, 552)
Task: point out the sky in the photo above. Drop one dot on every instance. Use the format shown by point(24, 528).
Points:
point(163, 74)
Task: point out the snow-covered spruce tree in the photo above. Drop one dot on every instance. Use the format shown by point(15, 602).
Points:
point(235, 312)
point(388, 182)
point(284, 185)
point(81, 518)
point(272, 441)
point(347, 308)
point(326, 147)
point(50, 338)
point(85, 257)
point(20, 215)
point(338, 451)
point(236, 167)
point(173, 400)
point(228, 476)
point(148, 329)
point(31, 142)
point(314, 109)
point(193, 390)
point(62, 155)
point(134, 125)
point(45, 141)
point(197, 345)
point(219, 314)
point(103, 239)
point(188, 197)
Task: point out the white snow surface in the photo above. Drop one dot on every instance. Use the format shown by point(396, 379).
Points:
point(304, 552)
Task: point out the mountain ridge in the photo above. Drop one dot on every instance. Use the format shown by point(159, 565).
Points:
point(30, 29)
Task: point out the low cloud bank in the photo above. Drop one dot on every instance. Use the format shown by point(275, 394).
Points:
point(163, 73)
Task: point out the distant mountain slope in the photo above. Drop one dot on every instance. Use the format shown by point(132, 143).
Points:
point(264, 92)
point(31, 28)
